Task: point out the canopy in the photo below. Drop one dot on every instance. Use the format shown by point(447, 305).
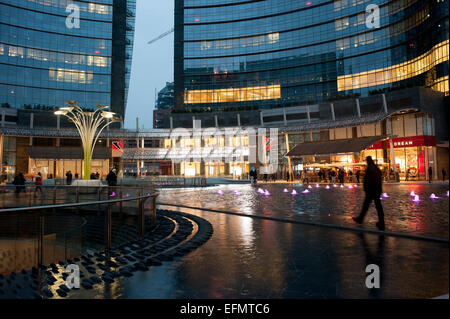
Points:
point(334, 147)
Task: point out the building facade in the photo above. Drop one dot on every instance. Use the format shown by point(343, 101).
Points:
point(52, 51)
point(244, 55)
point(164, 105)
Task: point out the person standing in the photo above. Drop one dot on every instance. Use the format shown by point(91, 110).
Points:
point(19, 181)
point(69, 178)
point(443, 174)
point(253, 175)
point(430, 174)
point(38, 184)
point(112, 178)
point(358, 174)
point(372, 188)
point(407, 175)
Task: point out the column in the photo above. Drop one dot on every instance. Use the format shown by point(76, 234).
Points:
point(391, 142)
point(333, 117)
point(286, 136)
point(358, 108)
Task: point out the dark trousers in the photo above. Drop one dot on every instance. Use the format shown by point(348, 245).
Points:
point(369, 198)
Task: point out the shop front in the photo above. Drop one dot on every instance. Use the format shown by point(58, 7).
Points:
point(413, 155)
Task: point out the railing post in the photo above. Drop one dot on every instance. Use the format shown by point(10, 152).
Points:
point(141, 218)
point(154, 210)
point(120, 196)
point(54, 195)
point(108, 227)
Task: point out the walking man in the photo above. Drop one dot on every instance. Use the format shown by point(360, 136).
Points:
point(373, 188)
point(430, 174)
point(38, 183)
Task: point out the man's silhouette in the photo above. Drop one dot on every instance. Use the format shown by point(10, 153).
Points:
point(373, 189)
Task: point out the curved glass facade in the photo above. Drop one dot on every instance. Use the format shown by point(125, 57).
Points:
point(277, 53)
point(44, 61)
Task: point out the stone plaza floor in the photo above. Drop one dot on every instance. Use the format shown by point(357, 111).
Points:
point(257, 258)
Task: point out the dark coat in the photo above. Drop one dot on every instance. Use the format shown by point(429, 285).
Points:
point(19, 179)
point(373, 180)
point(111, 179)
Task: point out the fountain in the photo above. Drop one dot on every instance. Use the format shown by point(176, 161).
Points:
point(285, 190)
point(219, 192)
point(416, 198)
point(266, 192)
point(309, 186)
point(317, 186)
point(305, 191)
point(294, 192)
point(327, 187)
point(412, 194)
point(385, 195)
point(433, 196)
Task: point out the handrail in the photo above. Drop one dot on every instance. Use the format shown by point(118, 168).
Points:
point(26, 208)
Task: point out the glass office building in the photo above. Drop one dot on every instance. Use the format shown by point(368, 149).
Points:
point(245, 55)
point(48, 57)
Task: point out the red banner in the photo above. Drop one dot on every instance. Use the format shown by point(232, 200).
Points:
point(412, 141)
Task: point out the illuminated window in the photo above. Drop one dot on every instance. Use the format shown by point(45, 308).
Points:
point(233, 95)
point(73, 76)
point(273, 37)
point(341, 24)
point(398, 72)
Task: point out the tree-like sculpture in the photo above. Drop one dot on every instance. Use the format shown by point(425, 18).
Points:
point(89, 125)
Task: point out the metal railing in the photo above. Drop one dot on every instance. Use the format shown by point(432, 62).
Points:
point(43, 234)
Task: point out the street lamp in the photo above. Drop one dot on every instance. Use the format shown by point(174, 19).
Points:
point(89, 125)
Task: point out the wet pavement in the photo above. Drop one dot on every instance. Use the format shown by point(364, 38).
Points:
point(255, 258)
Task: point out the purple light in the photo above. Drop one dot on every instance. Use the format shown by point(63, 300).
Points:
point(294, 192)
point(317, 186)
point(127, 195)
point(433, 196)
point(412, 194)
point(446, 194)
point(416, 198)
point(219, 192)
point(385, 195)
point(305, 191)
point(266, 192)
point(285, 190)
point(350, 187)
point(260, 190)
point(113, 194)
point(309, 186)
point(237, 193)
point(355, 185)
point(342, 186)
point(334, 185)
point(327, 187)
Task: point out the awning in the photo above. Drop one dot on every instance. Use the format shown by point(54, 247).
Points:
point(334, 147)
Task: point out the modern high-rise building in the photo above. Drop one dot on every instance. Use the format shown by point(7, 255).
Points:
point(52, 51)
point(164, 104)
point(246, 55)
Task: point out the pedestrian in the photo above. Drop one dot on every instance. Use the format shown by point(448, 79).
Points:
point(320, 175)
point(407, 175)
point(341, 176)
point(69, 178)
point(265, 178)
point(305, 176)
point(287, 176)
point(358, 174)
point(253, 176)
point(38, 184)
point(19, 181)
point(443, 174)
point(430, 174)
point(97, 175)
point(112, 178)
point(372, 188)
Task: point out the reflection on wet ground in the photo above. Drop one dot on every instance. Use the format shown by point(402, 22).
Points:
point(253, 258)
point(427, 217)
